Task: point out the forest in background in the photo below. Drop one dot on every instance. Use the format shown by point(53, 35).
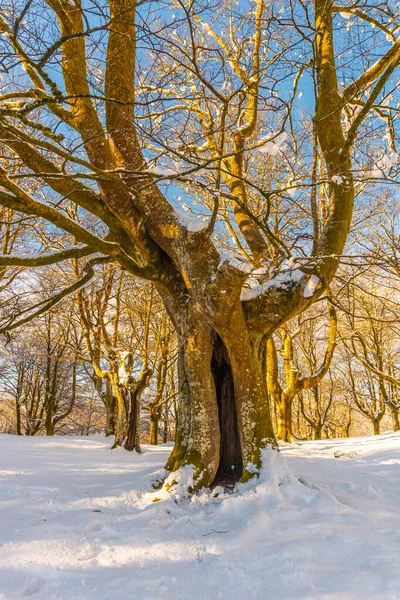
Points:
point(335, 368)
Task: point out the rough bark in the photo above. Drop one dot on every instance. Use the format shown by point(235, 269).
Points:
point(223, 409)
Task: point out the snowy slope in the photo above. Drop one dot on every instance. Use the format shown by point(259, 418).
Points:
point(78, 521)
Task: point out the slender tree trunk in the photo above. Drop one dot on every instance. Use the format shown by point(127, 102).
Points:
point(395, 417)
point(49, 425)
point(318, 431)
point(110, 425)
point(284, 413)
point(122, 419)
point(155, 407)
point(183, 412)
point(132, 441)
point(154, 420)
point(109, 401)
point(166, 424)
point(348, 424)
point(377, 426)
point(18, 415)
point(136, 389)
point(49, 419)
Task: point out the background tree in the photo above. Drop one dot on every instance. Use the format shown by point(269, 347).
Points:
point(41, 376)
point(294, 382)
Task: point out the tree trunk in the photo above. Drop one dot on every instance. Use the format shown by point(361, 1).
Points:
point(183, 413)
point(223, 414)
point(136, 389)
point(132, 441)
point(109, 401)
point(154, 420)
point(18, 415)
point(49, 424)
point(166, 424)
point(110, 425)
point(155, 407)
point(122, 420)
point(284, 414)
point(348, 424)
point(395, 417)
point(318, 432)
point(377, 426)
point(49, 419)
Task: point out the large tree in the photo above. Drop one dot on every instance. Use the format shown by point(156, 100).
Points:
point(82, 137)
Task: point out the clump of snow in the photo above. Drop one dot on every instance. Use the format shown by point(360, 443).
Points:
point(193, 224)
point(272, 147)
point(274, 473)
point(176, 487)
point(252, 468)
point(218, 491)
point(311, 286)
point(260, 271)
point(337, 179)
point(236, 261)
point(161, 171)
point(292, 190)
point(282, 280)
point(385, 163)
point(124, 367)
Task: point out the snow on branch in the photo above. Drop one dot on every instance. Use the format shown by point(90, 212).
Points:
point(45, 259)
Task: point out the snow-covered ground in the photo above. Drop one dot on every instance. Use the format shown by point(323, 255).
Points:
point(78, 521)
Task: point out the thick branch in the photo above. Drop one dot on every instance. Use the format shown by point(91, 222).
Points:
point(45, 259)
point(120, 85)
point(358, 86)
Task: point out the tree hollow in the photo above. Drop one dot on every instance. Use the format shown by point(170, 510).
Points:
point(231, 463)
